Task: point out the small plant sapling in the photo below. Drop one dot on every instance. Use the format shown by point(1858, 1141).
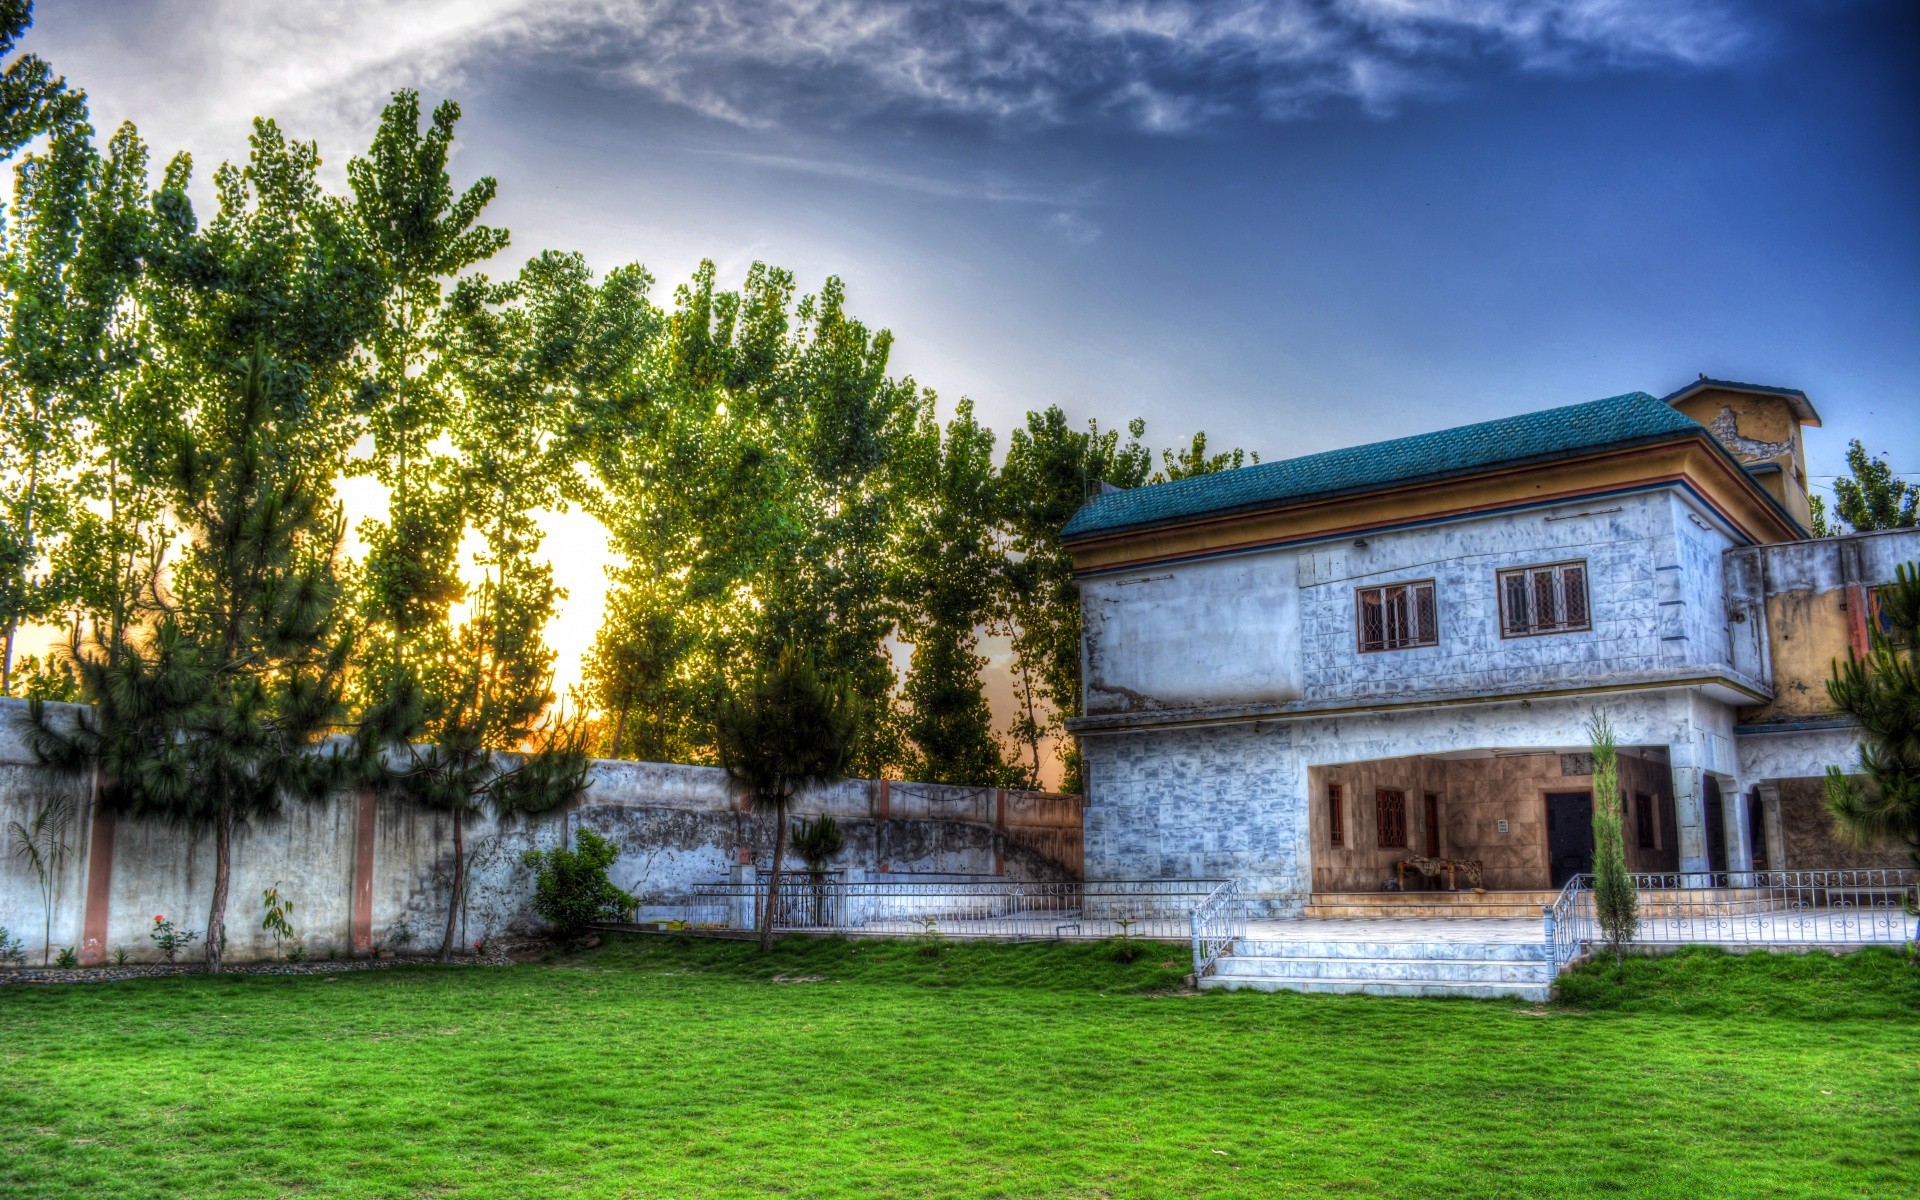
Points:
point(11, 951)
point(1125, 947)
point(169, 939)
point(275, 921)
point(66, 960)
point(929, 942)
point(120, 957)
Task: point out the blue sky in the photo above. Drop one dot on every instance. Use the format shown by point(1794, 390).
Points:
point(1296, 224)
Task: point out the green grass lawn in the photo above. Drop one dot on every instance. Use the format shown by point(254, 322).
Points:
point(675, 1067)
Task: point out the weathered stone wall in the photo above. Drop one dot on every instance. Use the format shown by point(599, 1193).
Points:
point(1808, 833)
point(364, 873)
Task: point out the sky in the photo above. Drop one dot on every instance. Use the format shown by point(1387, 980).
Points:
point(1295, 224)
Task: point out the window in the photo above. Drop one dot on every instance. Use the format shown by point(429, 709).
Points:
point(1336, 816)
point(1549, 599)
point(1643, 820)
point(1390, 817)
point(1397, 616)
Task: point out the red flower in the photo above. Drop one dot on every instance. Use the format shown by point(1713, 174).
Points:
point(157, 918)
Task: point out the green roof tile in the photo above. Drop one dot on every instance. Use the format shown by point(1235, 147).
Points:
point(1634, 418)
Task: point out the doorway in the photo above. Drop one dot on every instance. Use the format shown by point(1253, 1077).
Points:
point(1569, 835)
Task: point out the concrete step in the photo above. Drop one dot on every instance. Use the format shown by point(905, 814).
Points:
point(1374, 912)
point(1438, 896)
point(1451, 970)
point(1420, 951)
point(1478, 989)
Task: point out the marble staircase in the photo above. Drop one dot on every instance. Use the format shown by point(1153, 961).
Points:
point(1457, 964)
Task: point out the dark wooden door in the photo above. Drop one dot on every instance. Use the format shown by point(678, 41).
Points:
point(1569, 834)
point(1716, 825)
point(1432, 814)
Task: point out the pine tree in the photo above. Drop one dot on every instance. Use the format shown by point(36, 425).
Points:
point(1882, 692)
point(1616, 905)
point(219, 715)
point(782, 730)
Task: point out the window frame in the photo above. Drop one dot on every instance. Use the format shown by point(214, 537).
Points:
point(1410, 588)
point(1389, 814)
point(1527, 574)
point(1336, 816)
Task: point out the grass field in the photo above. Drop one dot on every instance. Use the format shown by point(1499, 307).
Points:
point(671, 1067)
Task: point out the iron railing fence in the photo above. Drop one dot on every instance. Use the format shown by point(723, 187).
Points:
point(1864, 906)
point(1159, 909)
point(1217, 923)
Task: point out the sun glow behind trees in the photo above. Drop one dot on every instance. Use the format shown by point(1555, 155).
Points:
point(655, 485)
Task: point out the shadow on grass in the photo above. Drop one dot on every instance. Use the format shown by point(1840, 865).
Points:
point(1704, 981)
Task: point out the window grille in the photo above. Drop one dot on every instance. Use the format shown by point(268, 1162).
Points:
point(1390, 817)
point(1643, 820)
point(1549, 599)
point(1396, 616)
point(1336, 817)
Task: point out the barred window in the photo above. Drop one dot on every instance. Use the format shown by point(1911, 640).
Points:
point(1549, 599)
point(1336, 816)
point(1397, 616)
point(1390, 817)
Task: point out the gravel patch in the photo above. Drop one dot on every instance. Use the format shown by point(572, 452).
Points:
point(50, 975)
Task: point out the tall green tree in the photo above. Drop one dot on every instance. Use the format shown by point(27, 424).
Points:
point(42, 357)
point(1869, 497)
point(218, 716)
point(68, 265)
point(1051, 470)
point(951, 584)
point(782, 729)
point(32, 98)
point(421, 234)
point(1881, 803)
point(1616, 905)
point(466, 727)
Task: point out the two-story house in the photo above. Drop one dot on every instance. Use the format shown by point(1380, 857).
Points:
point(1300, 673)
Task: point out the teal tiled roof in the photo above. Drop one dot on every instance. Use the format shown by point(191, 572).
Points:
point(1633, 419)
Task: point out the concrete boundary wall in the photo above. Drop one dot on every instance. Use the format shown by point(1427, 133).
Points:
point(367, 874)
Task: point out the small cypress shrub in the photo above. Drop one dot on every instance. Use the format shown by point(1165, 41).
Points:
point(1616, 906)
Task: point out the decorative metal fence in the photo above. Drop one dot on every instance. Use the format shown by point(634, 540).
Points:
point(1875, 906)
point(1160, 909)
point(1217, 922)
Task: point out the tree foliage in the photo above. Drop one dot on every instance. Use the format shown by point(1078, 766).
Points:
point(571, 890)
point(1882, 692)
point(1616, 905)
point(786, 727)
point(1870, 496)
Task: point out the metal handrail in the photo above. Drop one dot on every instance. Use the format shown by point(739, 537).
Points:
point(1569, 921)
point(1157, 909)
point(1218, 922)
point(1852, 906)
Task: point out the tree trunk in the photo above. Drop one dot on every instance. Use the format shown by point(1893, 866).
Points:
point(222, 877)
point(619, 733)
point(459, 882)
point(773, 880)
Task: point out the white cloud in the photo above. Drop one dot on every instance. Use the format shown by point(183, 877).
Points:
point(1161, 66)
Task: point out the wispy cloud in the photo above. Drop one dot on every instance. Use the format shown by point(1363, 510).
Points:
point(1162, 66)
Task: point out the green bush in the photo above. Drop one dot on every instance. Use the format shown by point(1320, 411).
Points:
point(571, 890)
point(66, 960)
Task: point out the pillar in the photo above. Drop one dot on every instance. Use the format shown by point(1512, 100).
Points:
point(742, 896)
point(1776, 829)
point(1733, 820)
point(365, 826)
point(1690, 815)
point(93, 929)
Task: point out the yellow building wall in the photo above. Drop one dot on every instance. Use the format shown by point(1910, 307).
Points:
point(1759, 430)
